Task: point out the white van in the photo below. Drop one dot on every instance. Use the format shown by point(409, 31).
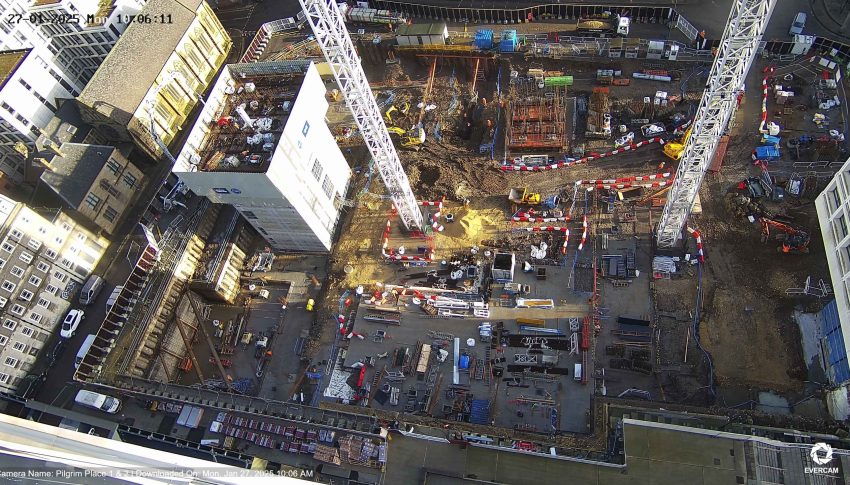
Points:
point(90, 290)
point(577, 372)
point(798, 25)
point(84, 349)
point(96, 400)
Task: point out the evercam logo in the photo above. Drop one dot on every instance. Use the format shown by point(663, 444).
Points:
point(821, 454)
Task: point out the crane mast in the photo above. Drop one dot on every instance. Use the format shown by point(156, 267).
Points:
point(332, 36)
point(738, 48)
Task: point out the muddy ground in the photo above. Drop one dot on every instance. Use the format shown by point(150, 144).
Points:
point(746, 323)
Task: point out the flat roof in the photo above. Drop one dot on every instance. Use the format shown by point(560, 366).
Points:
point(436, 28)
point(233, 146)
point(76, 170)
point(9, 62)
point(131, 67)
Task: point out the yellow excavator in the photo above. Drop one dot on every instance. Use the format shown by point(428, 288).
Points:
point(411, 139)
point(674, 149)
point(388, 115)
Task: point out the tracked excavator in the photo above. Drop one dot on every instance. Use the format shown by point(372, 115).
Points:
point(411, 139)
point(796, 241)
point(675, 149)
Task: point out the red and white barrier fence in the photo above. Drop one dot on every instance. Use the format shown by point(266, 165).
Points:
point(765, 88)
point(569, 163)
point(435, 219)
point(542, 229)
point(627, 185)
point(634, 178)
point(583, 233)
point(529, 217)
point(698, 238)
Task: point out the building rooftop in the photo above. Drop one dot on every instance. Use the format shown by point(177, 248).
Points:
point(436, 28)
point(75, 170)
point(137, 59)
point(66, 126)
point(244, 137)
point(9, 62)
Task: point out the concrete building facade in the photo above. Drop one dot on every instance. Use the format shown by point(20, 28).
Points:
point(60, 58)
point(42, 262)
point(27, 103)
point(833, 208)
point(262, 145)
point(155, 76)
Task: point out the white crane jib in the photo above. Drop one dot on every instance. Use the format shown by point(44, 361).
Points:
point(332, 36)
point(738, 48)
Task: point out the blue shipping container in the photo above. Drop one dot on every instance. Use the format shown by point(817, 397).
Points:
point(766, 153)
point(509, 41)
point(484, 39)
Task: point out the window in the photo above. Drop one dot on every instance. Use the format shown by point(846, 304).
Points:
point(16, 235)
point(66, 227)
point(220, 190)
point(92, 201)
point(306, 128)
point(11, 362)
point(34, 280)
point(2, 263)
point(9, 324)
point(51, 254)
point(249, 215)
point(27, 331)
point(26, 257)
point(4, 378)
point(60, 275)
point(17, 310)
point(7, 247)
point(25, 295)
point(53, 290)
point(3, 302)
point(43, 303)
point(81, 237)
point(113, 166)
point(59, 240)
point(17, 271)
point(35, 317)
point(19, 346)
point(110, 214)
point(42, 266)
point(3, 339)
point(317, 170)
point(34, 244)
point(9, 286)
point(67, 263)
point(327, 186)
point(130, 180)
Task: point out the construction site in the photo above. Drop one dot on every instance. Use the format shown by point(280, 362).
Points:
point(529, 231)
point(558, 156)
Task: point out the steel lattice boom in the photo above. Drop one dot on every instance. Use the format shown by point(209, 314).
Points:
point(328, 26)
point(738, 48)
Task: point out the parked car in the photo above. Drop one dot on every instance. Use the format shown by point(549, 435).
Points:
point(71, 322)
point(90, 290)
point(113, 297)
point(96, 400)
point(798, 24)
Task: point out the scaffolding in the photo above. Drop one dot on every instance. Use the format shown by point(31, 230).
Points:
point(538, 120)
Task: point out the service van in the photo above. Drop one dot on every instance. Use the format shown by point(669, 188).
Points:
point(91, 289)
point(96, 400)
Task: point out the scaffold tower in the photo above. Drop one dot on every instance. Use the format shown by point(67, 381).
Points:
point(738, 48)
point(332, 36)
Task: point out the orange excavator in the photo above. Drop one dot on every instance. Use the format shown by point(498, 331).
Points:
point(796, 240)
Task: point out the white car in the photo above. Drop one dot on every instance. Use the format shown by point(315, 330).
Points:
point(71, 322)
